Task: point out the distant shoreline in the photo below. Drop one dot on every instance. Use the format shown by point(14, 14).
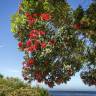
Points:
point(83, 92)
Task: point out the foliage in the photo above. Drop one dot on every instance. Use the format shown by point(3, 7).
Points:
point(1, 76)
point(89, 76)
point(88, 28)
point(54, 39)
point(29, 92)
point(78, 14)
point(16, 87)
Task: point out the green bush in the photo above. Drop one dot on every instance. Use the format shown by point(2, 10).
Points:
point(29, 92)
point(16, 87)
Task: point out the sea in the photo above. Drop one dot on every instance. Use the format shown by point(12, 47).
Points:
point(72, 93)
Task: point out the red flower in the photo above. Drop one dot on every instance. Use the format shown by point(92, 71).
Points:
point(52, 42)
point(31, 61)
point(59, 80)
point(46, 63)
point(28, 43)
point(33, 35)
point(38, 76)
point(27, 14)
point(34, 31)
point(35, 14)
point(45, 16)
point(50, 84)
point(33, 48)
point(32, 21)
point(77, 26)
point(20, 44)
point(43, 45)
point(36, 42)
point(41, 33)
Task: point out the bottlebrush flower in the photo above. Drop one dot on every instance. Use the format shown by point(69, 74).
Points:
point(77, 26)
point(34, 31)
point(33, 48)
point(50, 84)
point(43, 45)
point(45, 16)
point(36, 42)
point(38, 76)
point(27, 14)
point(31, 61)
point(28, 43)
point(35, 14)
point(41, 33)
point(59, 80)
point(52, 42)
point(32, 35)
point(20, 44)
point(32, 21)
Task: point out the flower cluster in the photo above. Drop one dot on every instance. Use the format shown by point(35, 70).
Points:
point(34, 43)
point(37, 43)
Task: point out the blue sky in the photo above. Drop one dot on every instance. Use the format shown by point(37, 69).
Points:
point(11, 58)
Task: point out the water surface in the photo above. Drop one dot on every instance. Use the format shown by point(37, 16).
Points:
point(73, 93)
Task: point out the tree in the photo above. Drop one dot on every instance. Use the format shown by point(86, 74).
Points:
point(88, 75)
point(54, 45)
point(1, 76)
point(78, 14)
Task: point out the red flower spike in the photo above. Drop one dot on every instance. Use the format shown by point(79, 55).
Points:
point(50, 84)
point(59, 80)
point(31, 61)
point(43, 45)
point(34, 31)
point(35, 15)
point(28, 43)
point(36, 42)
point(30, 17)
point(45, 17)
point(32, 35)
point(27, 14)
point(38, 14)
point(52, 42)
point(31, 20)
point(41, 33)
point(77, 26)
point(38, 76)
point(33, 48)
point(20, 44)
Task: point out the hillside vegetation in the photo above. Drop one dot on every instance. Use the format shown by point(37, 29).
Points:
point(16, 87)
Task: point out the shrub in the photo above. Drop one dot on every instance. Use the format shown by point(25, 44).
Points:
point(16, 87)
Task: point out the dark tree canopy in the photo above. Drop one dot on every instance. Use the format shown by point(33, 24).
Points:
point(57, 41)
